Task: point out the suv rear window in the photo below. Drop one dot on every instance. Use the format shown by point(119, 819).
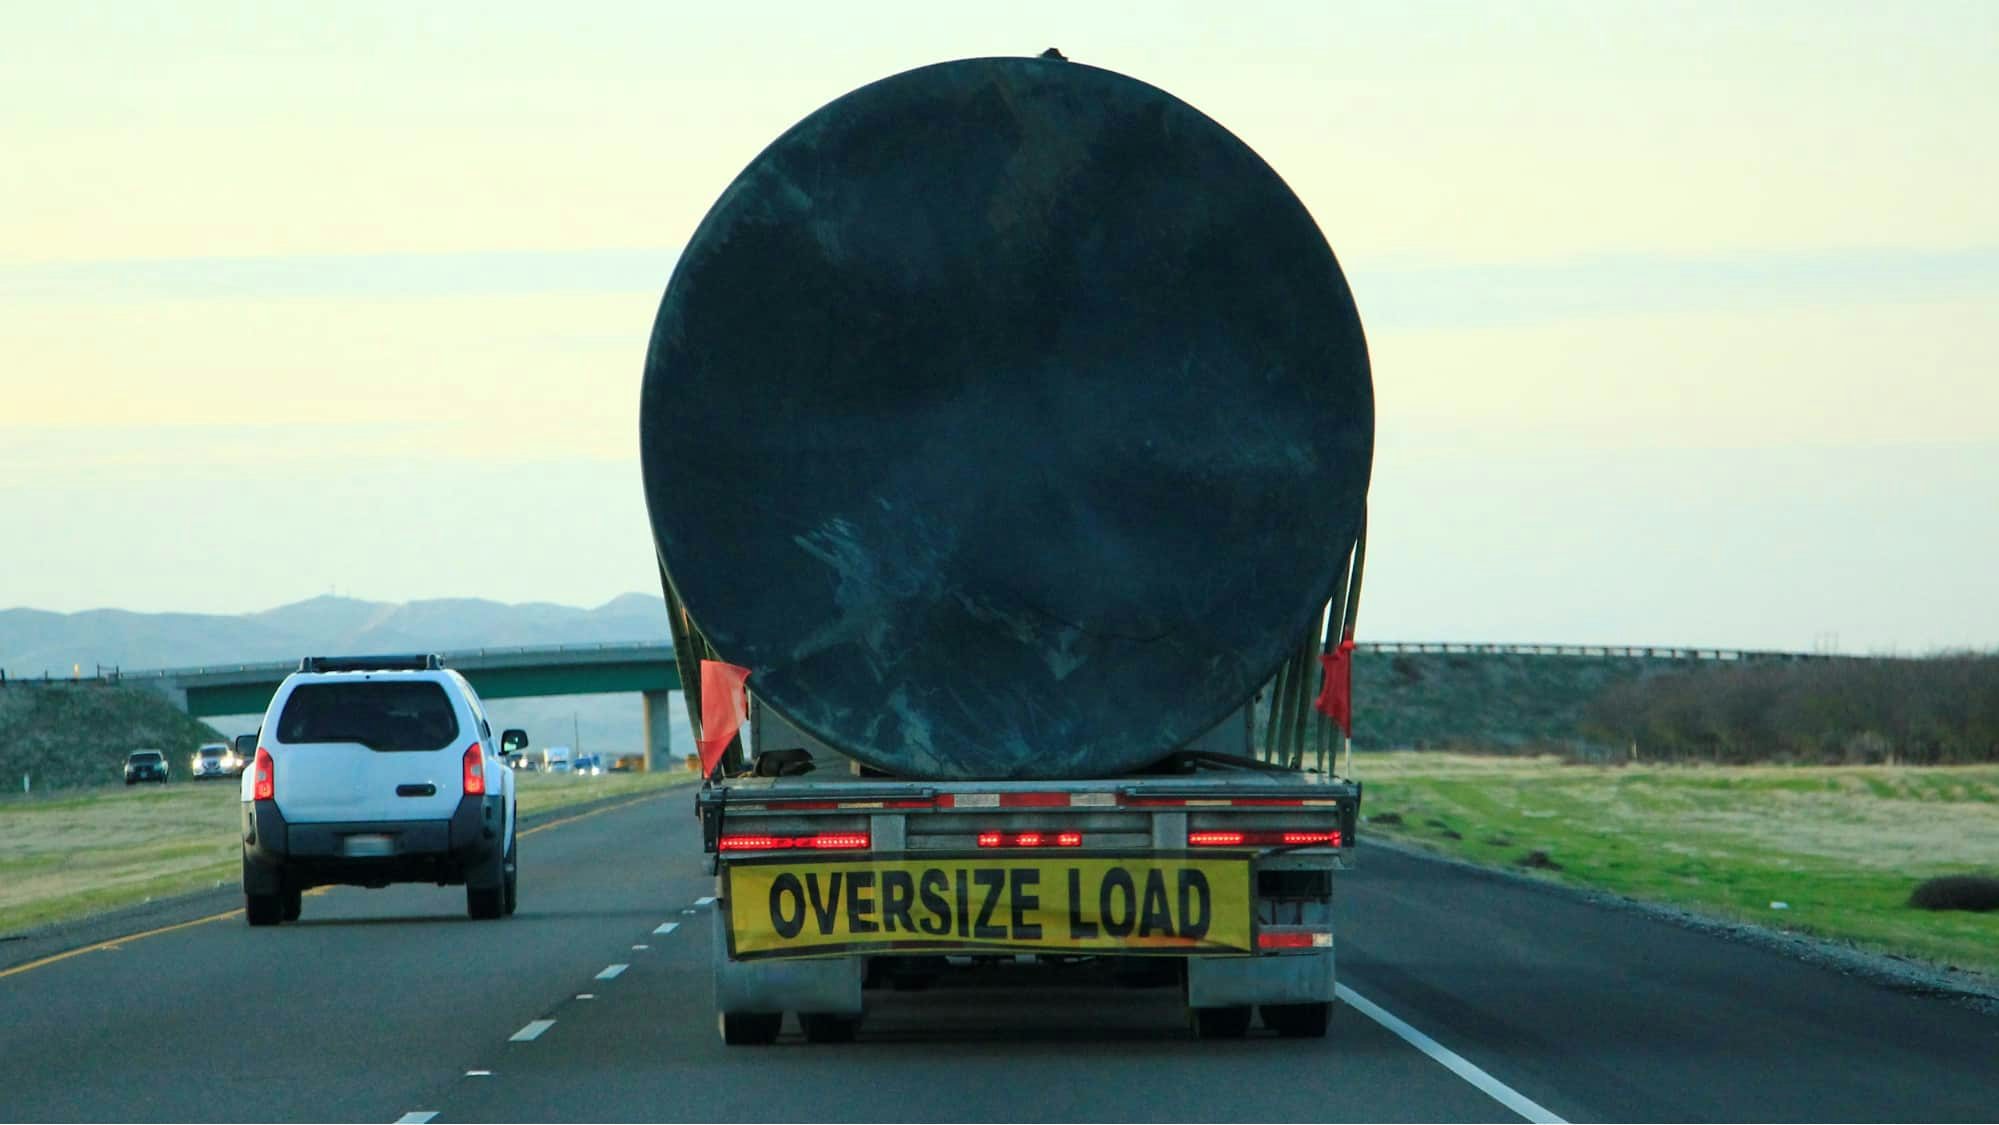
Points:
point(388, 715)
point(145, 756)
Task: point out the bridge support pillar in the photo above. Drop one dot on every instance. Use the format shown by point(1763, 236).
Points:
point(659, 730)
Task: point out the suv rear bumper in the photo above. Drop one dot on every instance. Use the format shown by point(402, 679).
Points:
point(418, 851)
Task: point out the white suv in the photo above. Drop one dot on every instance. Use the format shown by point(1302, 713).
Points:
point(373, 770)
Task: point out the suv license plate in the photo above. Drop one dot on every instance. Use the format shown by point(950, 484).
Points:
point(368, 845)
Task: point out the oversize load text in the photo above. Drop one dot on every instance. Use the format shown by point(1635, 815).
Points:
point(1104, 904)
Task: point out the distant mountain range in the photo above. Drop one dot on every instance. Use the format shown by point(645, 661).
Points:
point(34, 641)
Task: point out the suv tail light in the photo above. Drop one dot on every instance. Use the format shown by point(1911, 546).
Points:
point(264, 779)
point(475, 771)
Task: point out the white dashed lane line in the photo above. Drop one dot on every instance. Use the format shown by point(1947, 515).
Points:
point(666, 927)
point(533, 1030)
point(641, 947)
point(586, 996)
point(416, 1117)
point(611, 972)
point(704, 900)
point(478, 1074)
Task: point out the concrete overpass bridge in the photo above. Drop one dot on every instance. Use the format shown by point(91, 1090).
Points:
point(496, 673)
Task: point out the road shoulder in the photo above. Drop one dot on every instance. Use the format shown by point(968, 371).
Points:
point(1902, 974)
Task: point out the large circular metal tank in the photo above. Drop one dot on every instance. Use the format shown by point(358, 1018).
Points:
point(1008, 418)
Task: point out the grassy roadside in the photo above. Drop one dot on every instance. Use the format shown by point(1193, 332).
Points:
point(97, 850)
point(1840, 846)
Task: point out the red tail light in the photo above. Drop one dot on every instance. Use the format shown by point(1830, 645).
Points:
point(832, 841)
point(751, 843)
point(1330, 838)
point(825, 842)
point(264, 776)
point(475, 771)
point(1294, 940)
point(1030, 839)
point(1294, 838)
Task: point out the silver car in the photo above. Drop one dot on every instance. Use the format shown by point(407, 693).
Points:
point(215, 759)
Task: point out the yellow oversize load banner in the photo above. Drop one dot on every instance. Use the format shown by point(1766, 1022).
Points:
point(793, 907)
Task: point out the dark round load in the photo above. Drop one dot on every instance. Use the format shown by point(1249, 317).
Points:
point(1008, 418)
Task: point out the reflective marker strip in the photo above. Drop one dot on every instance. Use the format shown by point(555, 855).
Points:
point(611, 972)
point(531, 1032)
point(1488, 1085)
point(666, 927)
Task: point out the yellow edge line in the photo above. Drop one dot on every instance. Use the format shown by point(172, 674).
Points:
point(113, 943)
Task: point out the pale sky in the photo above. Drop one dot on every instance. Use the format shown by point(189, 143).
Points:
point(1682, 316)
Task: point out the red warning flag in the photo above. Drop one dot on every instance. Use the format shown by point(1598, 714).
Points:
point(1336, 696)
point(724, 707)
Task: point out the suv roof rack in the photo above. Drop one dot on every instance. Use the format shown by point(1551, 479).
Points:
point(403, 662)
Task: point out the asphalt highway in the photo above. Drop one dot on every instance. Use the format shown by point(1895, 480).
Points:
point(1471, 997)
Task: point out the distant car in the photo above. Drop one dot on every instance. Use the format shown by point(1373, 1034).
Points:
point(372, 770)
point(215, 759)
point(589, 764)
point(145, 765)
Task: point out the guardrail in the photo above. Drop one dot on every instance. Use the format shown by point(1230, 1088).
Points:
point(110, 674)
point(106, 674)
point(449, 655)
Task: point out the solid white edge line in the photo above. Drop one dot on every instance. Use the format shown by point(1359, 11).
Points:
point(611, 972)
point(666, 927)
point(531, 1032)
point(416, 1117)
point(1486, 1084)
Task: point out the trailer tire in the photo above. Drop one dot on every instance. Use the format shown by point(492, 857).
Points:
point(827, 1027)
point(750, 1029)
point(1230, 1022)
point(1298, 1021)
